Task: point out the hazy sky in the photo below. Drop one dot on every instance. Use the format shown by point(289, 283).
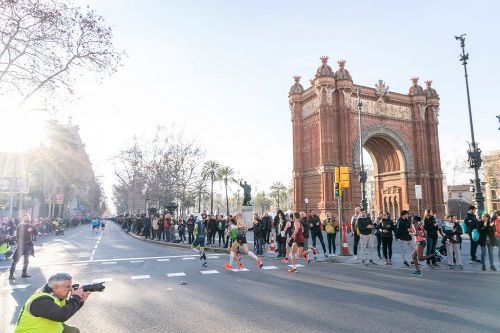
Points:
point(221, 71)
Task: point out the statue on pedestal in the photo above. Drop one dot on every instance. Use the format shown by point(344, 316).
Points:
point(247, 189)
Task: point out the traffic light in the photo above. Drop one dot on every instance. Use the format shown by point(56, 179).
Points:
point(344, 177)
point(338, 192)
point(337, 175)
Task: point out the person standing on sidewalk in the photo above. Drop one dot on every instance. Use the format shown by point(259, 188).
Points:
point(331, 228)
point(365, 226)
point(486, 240)
point(161, 228)
point(190, 228)
point(497, 232)
point(452, 238)
point(315, 229)
point(402, 232)
point(354, 231)
point(24, 236)
point(386, 230)
point(377, 233)
point(281, 233)
point(431, 230)
point(471, 222)
point(305, 228)
point(221, 226)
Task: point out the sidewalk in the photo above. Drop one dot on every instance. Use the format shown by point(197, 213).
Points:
point(349, 260)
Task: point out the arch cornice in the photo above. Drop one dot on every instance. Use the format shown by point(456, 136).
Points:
point(392, 136)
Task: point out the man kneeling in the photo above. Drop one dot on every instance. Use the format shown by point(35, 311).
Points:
point(49, 307)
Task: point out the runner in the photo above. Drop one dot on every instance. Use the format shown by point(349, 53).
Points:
point(95, 225)
point(289, 242)
point(199, 242)
point(298, 243)
point(418, 254)
point(241, 240)
point(233, 234)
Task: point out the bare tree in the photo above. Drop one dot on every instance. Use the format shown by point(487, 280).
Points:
point(44, 44)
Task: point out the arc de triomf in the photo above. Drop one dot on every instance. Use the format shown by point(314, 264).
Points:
point(400, 132)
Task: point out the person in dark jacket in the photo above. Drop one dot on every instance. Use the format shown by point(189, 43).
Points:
point(24, 236)
point(258, 233)
point(182, 230)
point(211, 230)
point(281, 233)
point(190, 227)
point(486, 240)
point(315, 230)
point(431, 230)
point(378, 234)
point(403, 227)
point(267, 223)
point(471, 222)
point(305, 229)
point(386, 227)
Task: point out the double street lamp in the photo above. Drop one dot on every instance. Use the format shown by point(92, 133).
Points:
point(474, 152)
point(362, 173)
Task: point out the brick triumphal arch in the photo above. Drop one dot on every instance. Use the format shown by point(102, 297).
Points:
point(399, 131)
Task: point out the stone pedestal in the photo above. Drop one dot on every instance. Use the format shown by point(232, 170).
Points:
point(247, 215)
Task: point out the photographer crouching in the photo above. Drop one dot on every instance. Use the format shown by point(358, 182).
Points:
point(49, 307)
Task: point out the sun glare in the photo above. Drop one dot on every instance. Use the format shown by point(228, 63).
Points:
point(21, 131)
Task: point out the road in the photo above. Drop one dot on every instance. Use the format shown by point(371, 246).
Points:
point(155, 288)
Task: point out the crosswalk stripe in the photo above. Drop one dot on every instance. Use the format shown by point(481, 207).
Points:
point(84, 264)
point(17, 286)
point(240, 270)
point(269, 267)
point(210, 272)
point(175, 274)
point(109, 263)
point(140, 277)
point(102, 280)
point(163, 259)
point(213, 257)
point(297, 265)
point(189, 258)
point(136, 261)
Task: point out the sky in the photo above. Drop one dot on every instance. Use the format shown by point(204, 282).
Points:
point(220, 71)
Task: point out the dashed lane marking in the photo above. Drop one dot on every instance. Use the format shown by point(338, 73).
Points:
point(209, 272)
point(297, 265)
point(102, 280)
point(164, 259)
point(140, 277)
point(269, 267)
point(175, 274)
point(189, 258)
point(136, 261)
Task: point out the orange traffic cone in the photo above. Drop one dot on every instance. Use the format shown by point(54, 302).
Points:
point(272, 248)
point(345, 244)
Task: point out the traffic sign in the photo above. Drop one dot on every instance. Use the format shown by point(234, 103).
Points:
point(418, 191)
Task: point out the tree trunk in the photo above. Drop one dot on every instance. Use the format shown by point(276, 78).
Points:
point(212, 196)
point(227, 201)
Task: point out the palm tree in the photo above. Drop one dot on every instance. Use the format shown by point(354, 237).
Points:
point(276, 191)
point(226, 175)
point(211, 170)
point(262, 201)
point(200, 190)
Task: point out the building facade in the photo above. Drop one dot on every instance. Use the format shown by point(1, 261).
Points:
point(399, 131)
point(491, 166)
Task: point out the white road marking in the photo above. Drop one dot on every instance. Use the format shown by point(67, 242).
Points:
point(297, 265)
point(109, 263)
point(140, 277)
point(136, 261)
point(102, 280)
point(83, 264)
point(170, 289)
point(175, 274)
point(209, 272)
point(213, 257)
point(269, 267)
point(188, 258)
point(95, 247)
point(240, 270)
point(16, 286)
point(164, 259)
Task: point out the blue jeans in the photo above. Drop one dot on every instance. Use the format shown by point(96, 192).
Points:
point(431, 247)
point(258, 245)
point(483, 254)
point(473, 248)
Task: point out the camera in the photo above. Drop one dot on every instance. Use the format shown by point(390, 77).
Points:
point(91, 287)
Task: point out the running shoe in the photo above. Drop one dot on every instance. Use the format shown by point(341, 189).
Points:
point(259, 262)
point(493, 268)
point(240, 265)
point(417, 273)
point(285, 261)
point(228, 266)
point(405, 264)
point(205, 264)
point(292, 270)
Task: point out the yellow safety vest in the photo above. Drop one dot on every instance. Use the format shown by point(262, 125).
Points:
point(29, 323)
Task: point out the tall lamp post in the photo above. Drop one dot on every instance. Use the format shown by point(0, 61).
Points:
point(474, 151)
point(362, 173)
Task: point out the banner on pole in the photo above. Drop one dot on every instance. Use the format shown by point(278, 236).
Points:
point(418, 191)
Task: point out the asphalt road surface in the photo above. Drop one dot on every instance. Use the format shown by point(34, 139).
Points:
point(154, 288)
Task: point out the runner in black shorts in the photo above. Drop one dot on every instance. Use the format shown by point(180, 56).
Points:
point(241, 240)
point(298, 243)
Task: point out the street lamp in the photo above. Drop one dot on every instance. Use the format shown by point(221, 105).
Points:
point(474, 151)
point(362, 173)
point(306, 201)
